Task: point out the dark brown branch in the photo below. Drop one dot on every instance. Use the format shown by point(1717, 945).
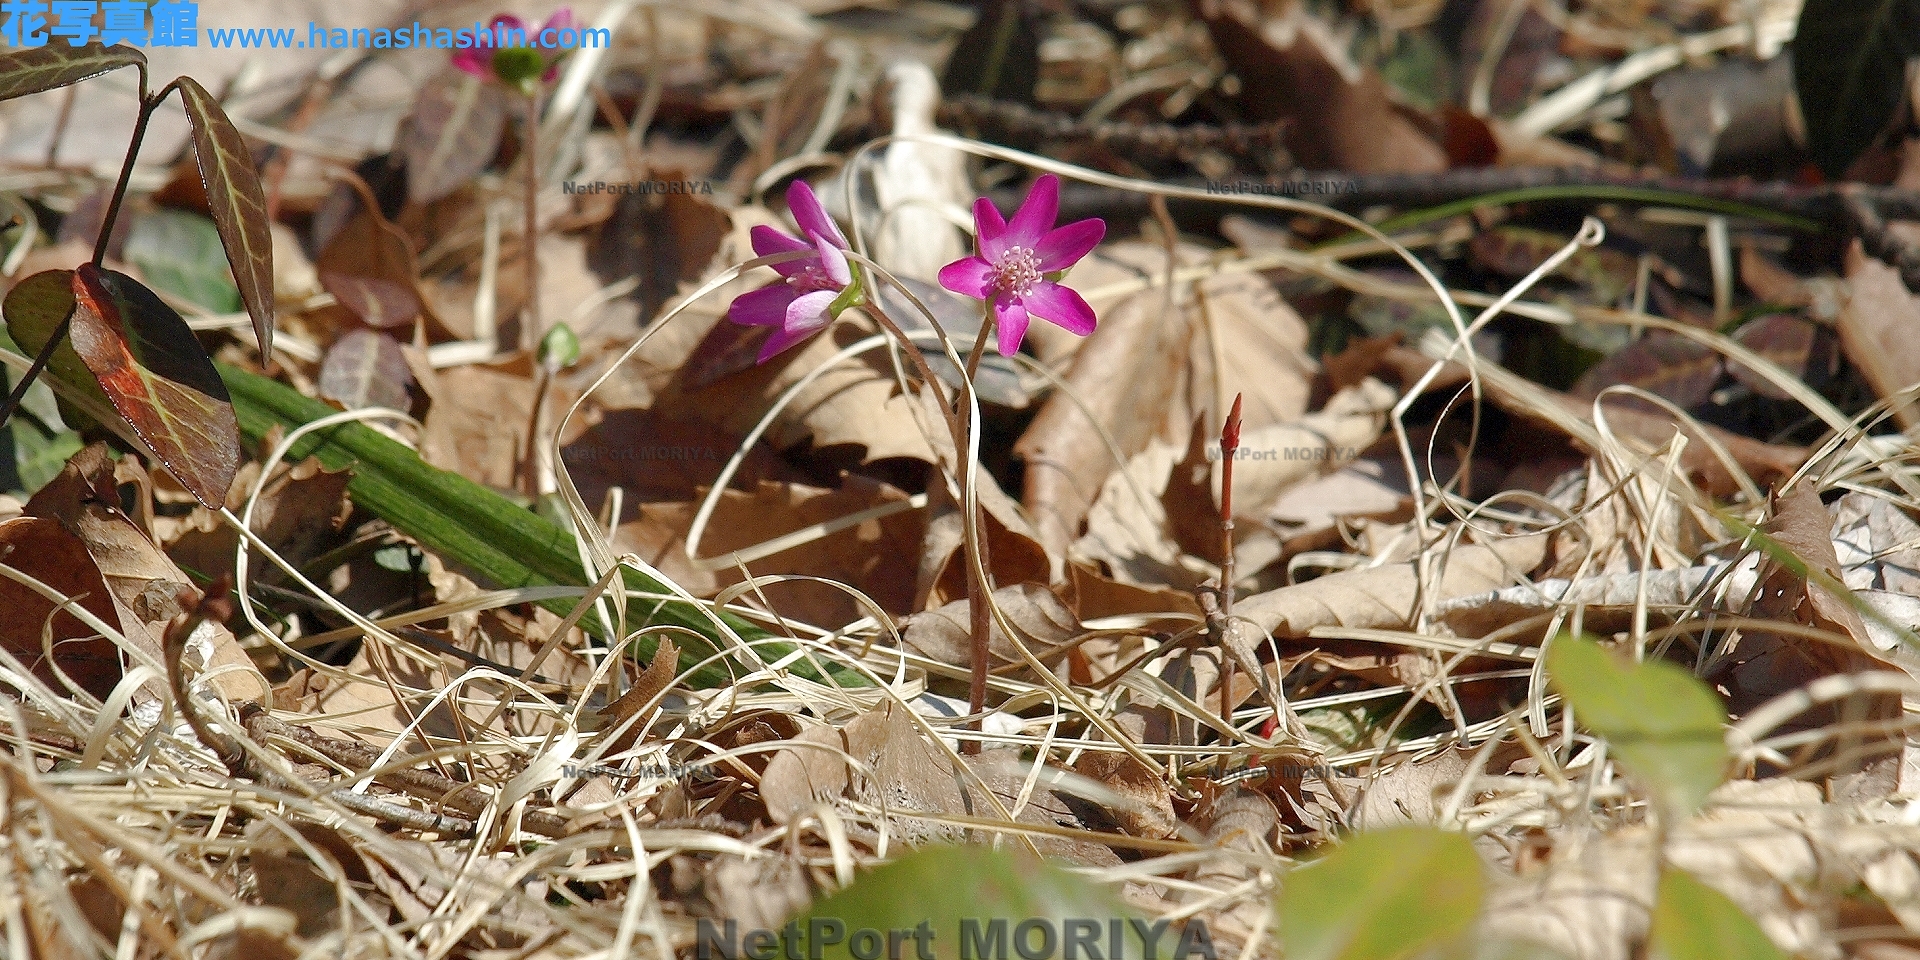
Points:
point(1824, 204)
point(1019, 125)
point(396, 775)
point(1881, 243)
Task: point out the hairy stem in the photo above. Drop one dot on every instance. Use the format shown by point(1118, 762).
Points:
point(979, 591)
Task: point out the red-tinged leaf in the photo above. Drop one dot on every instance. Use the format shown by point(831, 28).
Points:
point(238, 204)
point(44, 550)
point(452, 134)
point(159, 379)
point(365, 368)
point(57, 65)
point(369, 267)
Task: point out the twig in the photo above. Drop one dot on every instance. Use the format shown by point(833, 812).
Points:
point(397, 775)
point(1807, 206)
point(1216, 596)
point(1019, 125)
point(1879, 242)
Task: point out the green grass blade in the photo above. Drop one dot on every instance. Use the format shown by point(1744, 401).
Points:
point(486, 533)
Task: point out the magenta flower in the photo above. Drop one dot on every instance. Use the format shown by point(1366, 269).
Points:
point(489, 58)
point(813, 289)
point(1018, 262)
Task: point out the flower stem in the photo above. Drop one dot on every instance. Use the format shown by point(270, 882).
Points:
point(979, 591)
point(530, 324)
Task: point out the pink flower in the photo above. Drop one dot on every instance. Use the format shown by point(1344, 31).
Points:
point(489, 60)
point(813, 289)
point(1018, 262)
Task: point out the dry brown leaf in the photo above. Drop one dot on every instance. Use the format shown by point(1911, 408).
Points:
point(42, 549)
point(653, 458)
point(1382, 597)
point(299, 510)
point(1877, 544)
point(1230, 334)
point(1093, 596)
point(1148, 810)
point(145, 585)
point(1764, 462)
point(760, 893)
point(660, 239)
point(1046, 625)
point(1128, 529)
point(657, 677)
point(480, 414)
point(894, 766)
point(1758, 666)
point(285, 876)
point(871, 556)
point(1412, 791)
point(1292, 67)
point(1879, 314)
point(1014, 553)
point(1243, 821)
point(899, 770)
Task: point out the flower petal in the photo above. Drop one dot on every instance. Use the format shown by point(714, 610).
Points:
point(832, 261)
point(473, 61)
point(562, 19)
point(808, 312)
point(1010, 320)
point(1061, 306)
point(1035, 217)
point(989, 230)
point(811, 216)
point(780, 341)
point(1064, 247)
point(502, 27)
point(767, 241)
point(766, 306)
point(968, 277)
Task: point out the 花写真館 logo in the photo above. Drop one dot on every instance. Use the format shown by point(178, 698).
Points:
point(161, 23)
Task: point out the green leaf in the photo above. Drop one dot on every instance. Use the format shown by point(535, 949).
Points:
point(486, 533)
point(180, 253)
point(35, 309)
point(1661, 721)
point(238, 204)
point(959, 893)
point(159, 379)
point(452, 134)
point(1693, 921)
point(1850, 72)
point(58, 64)
point(1382, 895)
